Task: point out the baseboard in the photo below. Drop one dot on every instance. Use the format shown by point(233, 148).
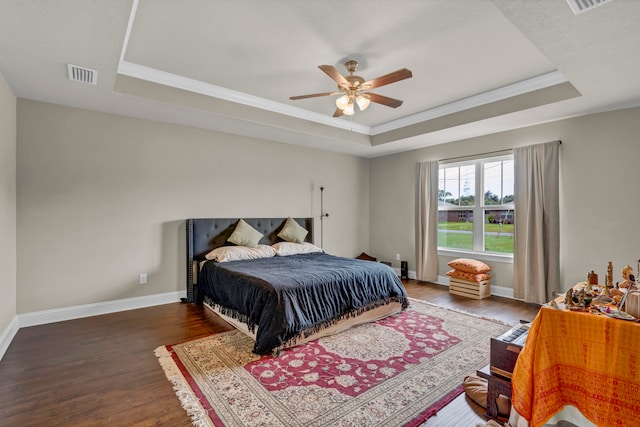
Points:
point(7, 336)
point(499, 291)
point(502, 291)
point(443, 280)
point(87, 310)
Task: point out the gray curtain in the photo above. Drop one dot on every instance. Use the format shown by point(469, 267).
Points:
point(537, 223)
point(427, 221)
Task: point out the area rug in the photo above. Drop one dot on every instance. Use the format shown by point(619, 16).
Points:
point(397, 371)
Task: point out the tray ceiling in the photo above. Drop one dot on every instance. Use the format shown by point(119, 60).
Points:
point(231, 65)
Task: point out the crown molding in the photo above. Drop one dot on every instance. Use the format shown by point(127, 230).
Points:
point(525, 86)
point(180, 82)
point(184, 83)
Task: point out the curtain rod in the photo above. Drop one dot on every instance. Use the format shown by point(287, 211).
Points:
point(472, 156)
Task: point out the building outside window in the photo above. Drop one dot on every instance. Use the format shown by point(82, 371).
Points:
point(476, 205)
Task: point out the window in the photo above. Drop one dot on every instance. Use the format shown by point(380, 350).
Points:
point(475, 205)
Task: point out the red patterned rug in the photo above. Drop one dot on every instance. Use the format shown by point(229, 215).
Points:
point(396, 371)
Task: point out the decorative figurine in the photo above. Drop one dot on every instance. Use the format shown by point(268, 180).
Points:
point(609, 275)
point(581, 301)
point(628, 282)
point(568, 298)
point(606, 293)
point(592, 280)
point(628, 279)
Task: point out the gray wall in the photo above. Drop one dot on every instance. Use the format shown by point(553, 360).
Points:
point(600, 196)
point(7, 205)
point(103, 198)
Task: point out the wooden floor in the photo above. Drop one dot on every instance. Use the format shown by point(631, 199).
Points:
point(101, 371)
point(462, 412)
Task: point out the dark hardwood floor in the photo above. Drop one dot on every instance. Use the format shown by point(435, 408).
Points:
point(101, 371)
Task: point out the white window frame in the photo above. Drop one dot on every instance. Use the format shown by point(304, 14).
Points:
point(478, 209)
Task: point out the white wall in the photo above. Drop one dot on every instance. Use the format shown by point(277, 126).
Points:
point(7, 209)
point(600, 197)
point(103, 198)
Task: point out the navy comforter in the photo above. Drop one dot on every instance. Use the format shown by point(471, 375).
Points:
point(297, 295)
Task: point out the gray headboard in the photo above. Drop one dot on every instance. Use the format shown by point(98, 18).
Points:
point(206, 234)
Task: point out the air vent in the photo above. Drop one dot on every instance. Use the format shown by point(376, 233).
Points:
point(579, 6)
point(81, 74)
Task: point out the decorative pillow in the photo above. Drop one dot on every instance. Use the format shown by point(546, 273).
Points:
point(236, 253)
point(366, 257)
point(290, 248)
point(245, 235)
point(476, 389)
point(292, 231)
point(457, 274)
point(469, 265)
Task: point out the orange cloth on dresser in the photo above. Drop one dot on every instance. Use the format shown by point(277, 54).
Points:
point(589, 361)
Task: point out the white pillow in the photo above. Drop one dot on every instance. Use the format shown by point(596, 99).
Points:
point(236, 253)
point(289, 248)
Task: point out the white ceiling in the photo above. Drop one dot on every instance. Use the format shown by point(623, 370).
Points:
point(479, 66)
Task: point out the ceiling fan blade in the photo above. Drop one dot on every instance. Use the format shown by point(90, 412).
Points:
point(313, 95)
point(338, 113)
point(333, 72)
point(384, 100)
point(388, 79)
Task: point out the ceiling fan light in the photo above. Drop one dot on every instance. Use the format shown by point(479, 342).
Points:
point(342, 102)
point(348, 109)
point(363, 102)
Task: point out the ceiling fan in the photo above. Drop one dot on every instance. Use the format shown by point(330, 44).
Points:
point(353, 89)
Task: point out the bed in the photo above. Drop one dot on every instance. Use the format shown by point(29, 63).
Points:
point(289, 298)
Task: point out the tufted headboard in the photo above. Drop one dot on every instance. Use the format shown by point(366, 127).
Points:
point(206, 234)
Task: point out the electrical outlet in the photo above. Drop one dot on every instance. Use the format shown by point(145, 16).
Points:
point(143, 278)
point(397, 257)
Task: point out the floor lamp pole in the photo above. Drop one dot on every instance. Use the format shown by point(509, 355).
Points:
point(322, 215)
